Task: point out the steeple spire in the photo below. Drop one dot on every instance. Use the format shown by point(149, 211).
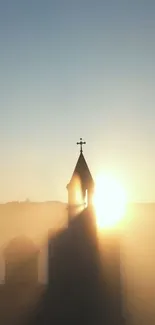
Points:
point(81, 185)
point(81, 144)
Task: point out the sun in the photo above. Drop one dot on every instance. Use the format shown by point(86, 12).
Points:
point(109, 201)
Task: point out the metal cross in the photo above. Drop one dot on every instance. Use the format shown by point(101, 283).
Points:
point(81, 144)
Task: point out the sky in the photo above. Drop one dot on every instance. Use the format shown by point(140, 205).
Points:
point(71, 69)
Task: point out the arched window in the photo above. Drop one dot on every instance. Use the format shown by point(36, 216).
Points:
point(86, 199)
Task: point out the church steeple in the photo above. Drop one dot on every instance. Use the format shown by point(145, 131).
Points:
point(81, 186)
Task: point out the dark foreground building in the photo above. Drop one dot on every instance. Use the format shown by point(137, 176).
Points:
point(21, 291)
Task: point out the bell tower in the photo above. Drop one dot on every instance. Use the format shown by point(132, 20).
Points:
point(81, 186)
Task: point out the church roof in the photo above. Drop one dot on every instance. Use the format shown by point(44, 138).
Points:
point(82, 171)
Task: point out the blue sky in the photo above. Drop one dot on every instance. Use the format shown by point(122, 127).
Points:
point(70, 69)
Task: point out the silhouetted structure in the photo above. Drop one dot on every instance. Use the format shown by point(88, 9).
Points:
point(21, 291)
point(81, 186)
point(21, 262)
point(84, 270)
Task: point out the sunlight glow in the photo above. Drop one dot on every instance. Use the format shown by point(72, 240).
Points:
point(109, 201)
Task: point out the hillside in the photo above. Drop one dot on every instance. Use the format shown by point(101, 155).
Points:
point(30, 218)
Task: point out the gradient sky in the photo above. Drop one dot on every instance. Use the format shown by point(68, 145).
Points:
point(73, 68)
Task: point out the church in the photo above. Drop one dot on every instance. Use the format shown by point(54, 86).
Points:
point(84, 285)
point(84, 269)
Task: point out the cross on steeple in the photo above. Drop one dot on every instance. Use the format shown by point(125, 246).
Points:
point(81, 144)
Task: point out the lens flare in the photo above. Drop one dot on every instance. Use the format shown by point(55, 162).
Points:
point(109, 201)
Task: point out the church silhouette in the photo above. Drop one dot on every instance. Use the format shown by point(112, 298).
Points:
point(84, 280)
point(84, 270)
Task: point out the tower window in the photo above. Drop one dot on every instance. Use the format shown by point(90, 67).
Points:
point(86, 199)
